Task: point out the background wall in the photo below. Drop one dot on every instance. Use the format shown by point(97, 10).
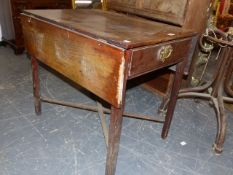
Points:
point(7, 30)
point(0, 32)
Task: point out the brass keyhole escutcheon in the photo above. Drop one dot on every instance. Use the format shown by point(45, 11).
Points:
point(165, 52)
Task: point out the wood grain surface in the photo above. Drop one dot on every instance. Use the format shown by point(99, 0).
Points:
point(146, 59)
point(94, 65)
point(113, 28)
point(171, 11)
point(93, 48)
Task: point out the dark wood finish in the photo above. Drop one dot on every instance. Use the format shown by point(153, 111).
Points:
point(217, 94)
point(100, 54)
point(174, 93)
point(197, 14)
point(112, 28)
point(115, 127)
point(223, 69)
point(95, 109)
point(17, 7)
point(114, 140)
point(196, 17)
point(36, 85)
point(100, 51)
point(164, 10)
point(162, 88)
point(83, 60)
point(146, 59)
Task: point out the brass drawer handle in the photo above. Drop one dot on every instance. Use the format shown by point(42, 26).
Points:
point(165, 52)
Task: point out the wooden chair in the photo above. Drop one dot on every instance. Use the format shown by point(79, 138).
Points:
point(222, 79)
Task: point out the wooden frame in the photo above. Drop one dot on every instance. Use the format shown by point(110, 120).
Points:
point(163, 10)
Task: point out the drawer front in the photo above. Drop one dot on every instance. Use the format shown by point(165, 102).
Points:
point(147, 59)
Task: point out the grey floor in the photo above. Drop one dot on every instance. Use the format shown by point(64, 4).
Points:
point(66, 141)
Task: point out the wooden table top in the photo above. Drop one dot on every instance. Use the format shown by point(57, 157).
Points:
point(118, 29)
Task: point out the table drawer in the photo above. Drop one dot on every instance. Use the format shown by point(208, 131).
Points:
point(146, 59)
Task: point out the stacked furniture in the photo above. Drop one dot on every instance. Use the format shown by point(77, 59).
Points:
point(17, 6)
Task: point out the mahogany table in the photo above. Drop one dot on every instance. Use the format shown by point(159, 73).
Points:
point(100, 51)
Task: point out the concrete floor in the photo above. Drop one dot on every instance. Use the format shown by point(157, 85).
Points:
point(66, 141)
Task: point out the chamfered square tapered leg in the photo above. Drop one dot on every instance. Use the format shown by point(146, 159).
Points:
point(173, 98)
point(114, 140)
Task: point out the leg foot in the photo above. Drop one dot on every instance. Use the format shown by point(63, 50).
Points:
point(216, 149)
point(37, 103)
point(163, 106)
